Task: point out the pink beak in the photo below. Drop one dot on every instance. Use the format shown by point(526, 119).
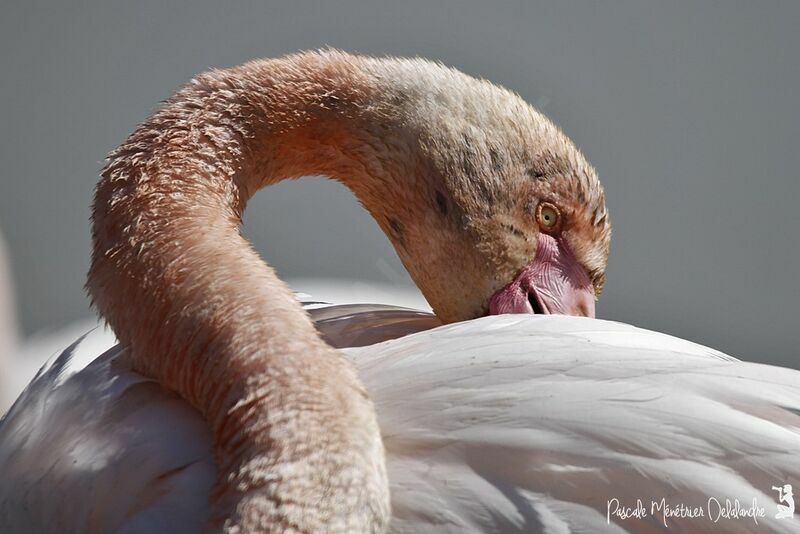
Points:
point(553, 283)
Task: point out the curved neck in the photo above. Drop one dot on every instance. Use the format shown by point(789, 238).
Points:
point(200, 311)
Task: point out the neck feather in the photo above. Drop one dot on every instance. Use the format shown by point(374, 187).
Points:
point(200, 311)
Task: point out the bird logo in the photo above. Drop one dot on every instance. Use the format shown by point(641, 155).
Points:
point(785, 495)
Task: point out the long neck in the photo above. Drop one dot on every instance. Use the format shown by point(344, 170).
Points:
point(295, 435)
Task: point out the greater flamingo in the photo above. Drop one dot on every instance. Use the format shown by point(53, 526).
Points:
point(513, 423)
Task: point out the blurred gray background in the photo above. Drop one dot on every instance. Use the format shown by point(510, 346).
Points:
point(689, 113)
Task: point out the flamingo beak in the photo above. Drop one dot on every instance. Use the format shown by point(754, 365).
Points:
point(553, 283)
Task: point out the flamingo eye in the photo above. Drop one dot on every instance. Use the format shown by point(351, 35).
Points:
point(548, 216)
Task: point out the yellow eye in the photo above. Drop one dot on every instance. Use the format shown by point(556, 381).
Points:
point(548, 216)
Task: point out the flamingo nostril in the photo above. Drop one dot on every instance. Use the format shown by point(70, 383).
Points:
point(537, 309)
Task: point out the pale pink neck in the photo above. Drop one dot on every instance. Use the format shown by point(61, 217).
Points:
point(199, 310)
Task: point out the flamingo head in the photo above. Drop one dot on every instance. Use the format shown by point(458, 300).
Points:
point(549, 240)
point(515, 219)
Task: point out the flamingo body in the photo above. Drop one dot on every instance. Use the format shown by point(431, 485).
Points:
point(503, 424)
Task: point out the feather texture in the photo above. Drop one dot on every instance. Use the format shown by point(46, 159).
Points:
point(512, 423)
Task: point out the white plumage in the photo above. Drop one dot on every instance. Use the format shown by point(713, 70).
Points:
point(512, 423)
